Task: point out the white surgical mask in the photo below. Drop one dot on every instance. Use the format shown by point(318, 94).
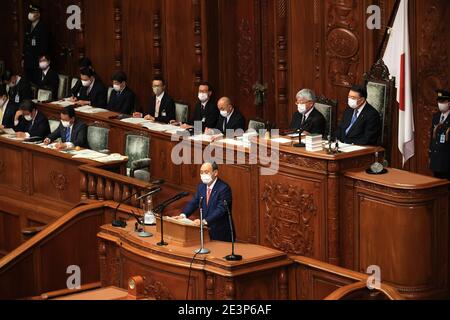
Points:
point(206, 179)
point(224, 114)
point(43, 65)
point(157, 91)
point(65, 124)
point(86, 83)
point(301, 107)
point(28, 117)
point(203, 97)
point(117, 87)
point(353, 103)
point(444, 107)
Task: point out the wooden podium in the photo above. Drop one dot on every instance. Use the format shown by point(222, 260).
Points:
point(180, 233)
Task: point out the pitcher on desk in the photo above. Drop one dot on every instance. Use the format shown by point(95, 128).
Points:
point(213, 192)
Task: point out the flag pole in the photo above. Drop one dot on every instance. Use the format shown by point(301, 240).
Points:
point(383, 43)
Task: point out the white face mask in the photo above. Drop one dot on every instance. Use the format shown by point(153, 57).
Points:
point(203, 97)
point(353, 103)
point(43, 65)
point(117, 87)
point(444, 107)
point(86, 83)
point(28, 117)
point(224, 113)
point(301, 107)
point(65, 124)
point(206, 179)
point(157, 91)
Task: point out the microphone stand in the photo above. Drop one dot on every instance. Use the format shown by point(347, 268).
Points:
point(233, 256)
point(300, 144)
point(202, 249)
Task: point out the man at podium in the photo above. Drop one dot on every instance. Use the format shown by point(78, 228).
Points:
point(213, 196)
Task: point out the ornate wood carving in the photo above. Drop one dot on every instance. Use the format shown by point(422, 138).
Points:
point(287, 158)
point(59, 180)
point(245, 57)
point(196, 9)
point(80, 34)
point(289, 218)
point(282, 64)
point(157, 45)
point(118, 34)
point(156, 289)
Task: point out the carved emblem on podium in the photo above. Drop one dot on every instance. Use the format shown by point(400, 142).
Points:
point(289, 218)
point(156, 289)
point(59, 180)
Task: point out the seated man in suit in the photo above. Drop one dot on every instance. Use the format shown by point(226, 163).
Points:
point(47, 78)
point(93, 92)
point(162, 106)
point(82, 63)
point(72, 131)
point(29, 122)
point(230, 118)
point(122, 100)
point(361, 124)
point(19, 87)
point(8, 109)
point(213, 193)
point(206, 111)
point(308, 119)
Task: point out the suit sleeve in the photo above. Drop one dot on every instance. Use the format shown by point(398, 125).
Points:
point(220, 211)
point(54, 86)
point(42, 129)
point(371, 132)
point(241, 123)
point(128, 105)
point(100, 97)
point(56, 134)
point(212, 117)
point(192, 206)
point(81, 136)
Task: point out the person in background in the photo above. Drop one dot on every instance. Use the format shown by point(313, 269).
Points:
point(19, 87)
point(93, 92)
point(29, 122)
point(230, 118)
point(123, 99)
point(308, 119)
point(8, 109)
point(47, 78)
point(82, 63)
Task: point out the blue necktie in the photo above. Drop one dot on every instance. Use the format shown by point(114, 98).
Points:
point(354, 119)
point(68, 134)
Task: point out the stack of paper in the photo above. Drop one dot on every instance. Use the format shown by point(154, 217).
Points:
point(111, 158)
point(63, 103)
point(88, 154)
point(313, 143)
point(135, 121)
point(91, 110)
point(206, 137)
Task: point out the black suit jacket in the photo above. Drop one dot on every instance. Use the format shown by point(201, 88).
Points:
point(439, 150)
point(210, 114)
point(9, 113)
point(166, 110)
point(122, 102)
point(39, 128)
point(97, 96)
point(365, 132)
point(315, 124)
point(20, 92)
point(75, 91)
point(49, 82)
point(237, 121)
point(32, 52)
point(78, 135)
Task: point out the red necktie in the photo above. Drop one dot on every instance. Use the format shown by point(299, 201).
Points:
point(208, 195)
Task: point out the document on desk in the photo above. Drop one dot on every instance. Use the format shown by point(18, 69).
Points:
point(206, 137)
point(7, 131)
point(111, 158)
point(232, 142)
point(88, 154)
point(140, 121)
point(13, 137)
point(63, 103)
point(91, 110)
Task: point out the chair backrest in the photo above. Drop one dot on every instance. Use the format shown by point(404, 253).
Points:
point(381, 95)
point(181, 112)
point(63, 89)
point(137, 147)
point(256, 125)
point(110, 90)
point(327, 108)
point(98, 137)
point(54, 124)
point(44, 95)
point(73, 82)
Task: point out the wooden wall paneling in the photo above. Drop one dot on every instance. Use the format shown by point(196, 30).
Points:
point(118, 50)
point(210, 43)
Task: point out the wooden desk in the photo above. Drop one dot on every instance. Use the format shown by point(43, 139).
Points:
point(263, 273)
point(37, 186)
point(399, 222)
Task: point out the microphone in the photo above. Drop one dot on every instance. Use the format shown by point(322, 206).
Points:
point(150, 193)
point(159, 182)
point(119, 223)
point(232, 256)
point(202, 249)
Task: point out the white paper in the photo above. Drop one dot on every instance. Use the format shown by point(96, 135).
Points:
point(135, 121)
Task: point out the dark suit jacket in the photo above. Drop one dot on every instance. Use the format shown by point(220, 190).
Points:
point(31, 53)
point(75, 91)
point(49, 82)
point(440, 152)
point(20, 92)
point(97, 96)
point(78, 135)
point(210, 114)
point(215, 213)
point(236, 122)
point(367, 129)
point(9, 112)
point(123, 102)
point(166, 110)
point(315, 124)
point(39, 128)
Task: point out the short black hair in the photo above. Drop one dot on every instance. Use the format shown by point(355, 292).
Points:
point(119, 76)
point(3, 90)
point(87, 72)
point(7, 75)
point(362, 90)
point(207, 84)
point(27, 105)
point(44, 55)
point(69, 110)
point(158, 78)
point(85, 63)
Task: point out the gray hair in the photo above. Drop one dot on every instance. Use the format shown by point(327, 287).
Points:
point(307, 94)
